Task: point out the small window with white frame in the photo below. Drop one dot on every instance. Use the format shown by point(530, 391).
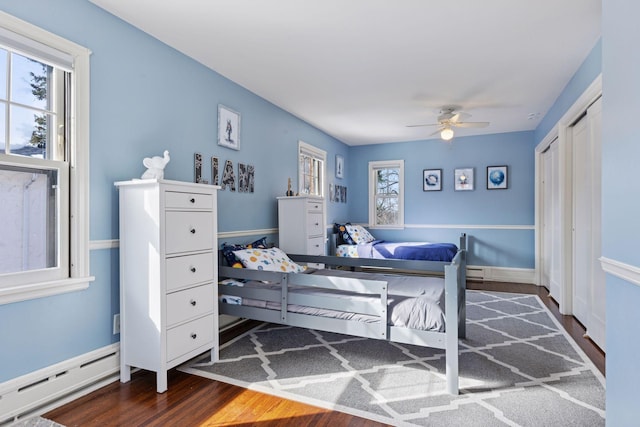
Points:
point(311, 169)
point(44, 101)
point(386, 194)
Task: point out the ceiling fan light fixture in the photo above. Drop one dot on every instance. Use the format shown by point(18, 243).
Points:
point(446, 134)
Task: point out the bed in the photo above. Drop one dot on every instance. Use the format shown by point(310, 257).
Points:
point(354, 241)
point(353, 296)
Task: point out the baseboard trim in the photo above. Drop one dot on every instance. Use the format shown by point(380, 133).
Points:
point(41, 391)
point(501, 274)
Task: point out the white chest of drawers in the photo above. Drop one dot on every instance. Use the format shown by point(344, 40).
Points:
point(168, 275)
point(301, 225)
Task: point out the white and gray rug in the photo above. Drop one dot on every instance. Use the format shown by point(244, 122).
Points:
point(36, 422)
point(518, 367)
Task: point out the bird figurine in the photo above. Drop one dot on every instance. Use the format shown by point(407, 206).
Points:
point(155, 166)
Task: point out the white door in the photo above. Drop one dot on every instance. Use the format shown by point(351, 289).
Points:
point(596, 327)
point(551, 222)
point(588, 276)
point(582, 192)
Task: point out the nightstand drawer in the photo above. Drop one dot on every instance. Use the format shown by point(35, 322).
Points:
point(189, 269)
point(179, 200)
point(189, 304)
point(314, 224)
point(188, 231)
point(315, 246)
point(185, 338)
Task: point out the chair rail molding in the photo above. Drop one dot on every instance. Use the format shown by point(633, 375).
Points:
point(619, 269)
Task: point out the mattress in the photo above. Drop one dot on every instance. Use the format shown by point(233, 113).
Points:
point(422, 251)
point(414, 302)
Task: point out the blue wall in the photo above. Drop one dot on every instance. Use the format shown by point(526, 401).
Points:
point(145, 98)
point(621, 204)
point(590, 68)
point(500, 222)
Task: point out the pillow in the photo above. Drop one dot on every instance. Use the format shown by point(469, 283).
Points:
point(341, 230)
point(260, 243)
point(359, 234)
point(227, 251)
point(283, 262)
point(272, 259)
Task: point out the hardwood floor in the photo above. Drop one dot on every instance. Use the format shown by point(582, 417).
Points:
point(197, 401)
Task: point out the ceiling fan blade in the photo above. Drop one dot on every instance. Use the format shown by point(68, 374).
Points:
point(436, 132)
point(416, 126)
point(459, 116)
point(470, 124)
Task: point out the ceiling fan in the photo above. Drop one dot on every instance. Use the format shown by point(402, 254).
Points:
point(448, 119)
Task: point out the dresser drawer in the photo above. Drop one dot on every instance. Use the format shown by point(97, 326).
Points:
point(189, 269)
point(314, 224)
point(188, 231)
point(315, 246)
point(185, 338)
point(190, 303)
point(314, 206)
point(179, 200)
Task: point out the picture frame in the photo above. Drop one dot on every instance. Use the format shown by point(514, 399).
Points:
point(228, 127)
point(463, 179)
point(497, 177)
point(432, 180)
point(339, 166)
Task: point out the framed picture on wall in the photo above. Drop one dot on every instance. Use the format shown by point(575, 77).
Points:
point(497, 177)
point(228, 127)
point(432, 180)
point(463, 179)
point(339, 166)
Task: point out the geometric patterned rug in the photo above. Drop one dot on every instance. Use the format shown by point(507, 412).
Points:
point(518, 367)
point(36, 422)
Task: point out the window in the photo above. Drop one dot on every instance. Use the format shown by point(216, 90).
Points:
point(44, 123)
point(311, 169)
point(386, 194)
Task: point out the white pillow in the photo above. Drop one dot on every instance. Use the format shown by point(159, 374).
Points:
point(272, 259)
point(359, 234)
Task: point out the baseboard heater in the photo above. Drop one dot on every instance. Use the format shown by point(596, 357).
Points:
point(501, 274)
point(48, 388)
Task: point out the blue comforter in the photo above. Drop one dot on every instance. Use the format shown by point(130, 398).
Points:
point(408, 250)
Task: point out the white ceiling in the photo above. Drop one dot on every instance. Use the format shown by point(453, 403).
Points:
point(362, 70)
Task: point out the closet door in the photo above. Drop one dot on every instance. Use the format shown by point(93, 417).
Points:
point(551, 222)
point(581, 221)
point(596, 327)
point(588, 276)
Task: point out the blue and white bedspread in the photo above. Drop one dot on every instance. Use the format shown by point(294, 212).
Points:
point(422, 251)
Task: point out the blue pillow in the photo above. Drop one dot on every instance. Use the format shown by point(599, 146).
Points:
point(341, 230)
point(232, 260)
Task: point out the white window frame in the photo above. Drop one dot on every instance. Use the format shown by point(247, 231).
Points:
point(318, 154)
point(77, 236)
point(373, 168)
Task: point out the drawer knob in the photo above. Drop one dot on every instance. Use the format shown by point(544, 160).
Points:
point(193, 231)
point(192, 302)
point(193, 269)
point(192, 200)
point(194, 335)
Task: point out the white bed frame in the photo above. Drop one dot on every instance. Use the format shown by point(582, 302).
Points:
point(455, 315)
